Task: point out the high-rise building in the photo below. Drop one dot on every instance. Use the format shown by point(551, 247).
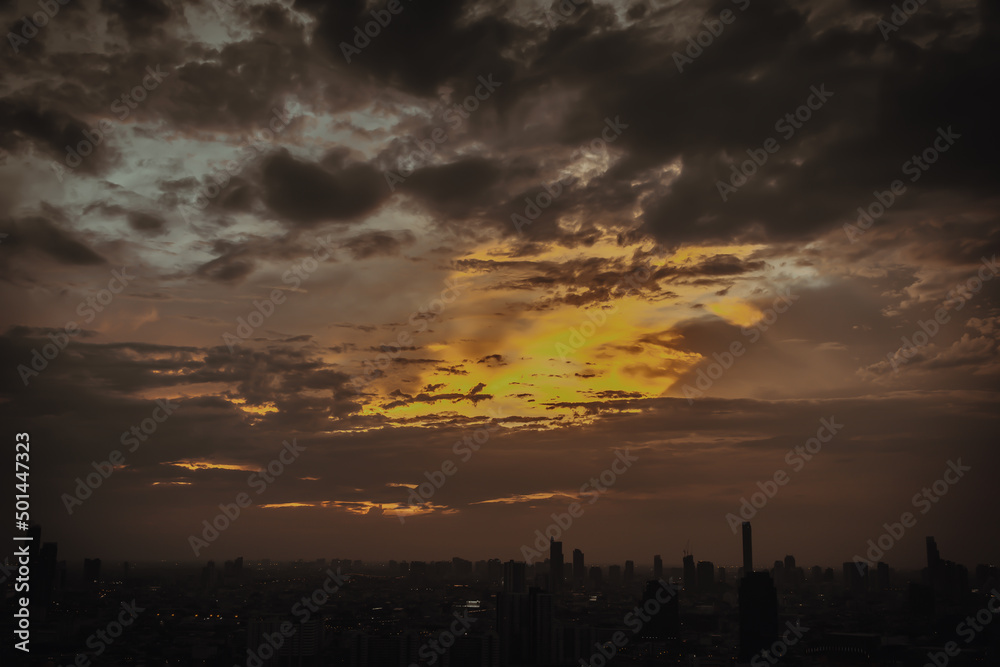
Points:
point(514, 577)
point(882, 577)
point(747, 549)
point(690, 574)
point(758, 605)
point(595, 578)
point(556, 564)
point(856, 578)
point(665, 623)
point(657, 567)
point(524, 626)
point(758, 614)
point(629, 572)
point(615, 575)
point(579, 573)
point(933, 555)
point(706, 576)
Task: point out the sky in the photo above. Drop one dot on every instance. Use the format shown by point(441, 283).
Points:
point(651, 258)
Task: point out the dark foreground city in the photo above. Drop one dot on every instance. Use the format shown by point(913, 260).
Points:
point(488, 613)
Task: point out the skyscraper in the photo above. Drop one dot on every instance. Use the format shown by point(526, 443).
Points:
point(665, 623)
point(579, 574)
point(690, 576)
point(514, 577)
point(747, 549)
point(706, 576)
point(657, 567)
point(629, 572)
point(758, 605)
point(933, 555)
point(556, 564)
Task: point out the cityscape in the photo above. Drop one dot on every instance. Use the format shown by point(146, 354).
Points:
point(562, 610)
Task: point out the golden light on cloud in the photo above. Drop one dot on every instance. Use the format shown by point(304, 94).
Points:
point(209, 465)
point(736, 311)
point(566, 345)
point(524, 498)
point(366, 508)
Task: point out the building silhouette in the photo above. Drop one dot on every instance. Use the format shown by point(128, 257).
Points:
point(758, 600)
point(747, 548)
point(556, 564)
point(690, 574)
point(706, 576)
point(665, 623)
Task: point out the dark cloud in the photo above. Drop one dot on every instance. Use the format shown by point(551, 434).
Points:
point(40, 234)
point(374, 244)
point(308, 194)
point(146, 223)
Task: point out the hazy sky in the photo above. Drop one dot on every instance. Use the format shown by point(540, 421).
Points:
point(493, 219)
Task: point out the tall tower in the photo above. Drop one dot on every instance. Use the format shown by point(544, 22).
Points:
point(514, 577)
point(556, 564)
point(747, 549)
point(933, 555)
point(579, 575)
point(657, 567)
point(758, 600)
point(690, 576)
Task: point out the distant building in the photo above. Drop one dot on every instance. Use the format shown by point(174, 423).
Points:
point(690, 574)
point(706, 576)
point(556, 564)
point(758, 614)
point(514, 577)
